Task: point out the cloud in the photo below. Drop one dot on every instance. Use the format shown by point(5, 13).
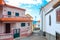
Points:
point(32, 6)
point(18, 2)
point(48, 0)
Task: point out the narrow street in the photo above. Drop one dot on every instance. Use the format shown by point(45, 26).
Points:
point(34, 36)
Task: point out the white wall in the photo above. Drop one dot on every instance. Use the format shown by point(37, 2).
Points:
point(55, 27)
point(44, 11)
point(42, 23)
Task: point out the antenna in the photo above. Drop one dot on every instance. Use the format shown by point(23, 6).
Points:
point(35, 17)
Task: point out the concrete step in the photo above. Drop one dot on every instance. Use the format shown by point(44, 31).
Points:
point(17, 38)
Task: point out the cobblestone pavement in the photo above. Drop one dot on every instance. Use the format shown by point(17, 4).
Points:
point(34, 37)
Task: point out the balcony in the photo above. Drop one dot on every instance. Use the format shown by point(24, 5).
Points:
point(6, 18)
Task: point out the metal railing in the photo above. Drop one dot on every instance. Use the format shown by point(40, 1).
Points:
point(11, 16)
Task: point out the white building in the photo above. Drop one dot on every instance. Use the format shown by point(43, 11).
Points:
point(50, 20)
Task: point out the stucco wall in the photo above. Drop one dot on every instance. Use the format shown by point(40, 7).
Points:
point(49, 6)
point(26, 30)
point(55, 26)
point(13, 11)
point(1, 28)
point(42, 23)
point(0, 13)
point(44, 11)
point(15, 25)
point(29, 28)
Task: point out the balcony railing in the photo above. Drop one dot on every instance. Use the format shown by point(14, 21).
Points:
point(11, 16)
point(5, 36)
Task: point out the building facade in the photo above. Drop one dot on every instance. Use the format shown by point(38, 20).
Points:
point(36, 24)
point(13, 22)
point(51, 20)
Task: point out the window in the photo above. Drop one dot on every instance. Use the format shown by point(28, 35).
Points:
point(16, 14)
point(22, 24)
point(9, 12)
point(28, 24)
point(50, 20)
point(18, 30)
point(58, 15)
point(15, 31)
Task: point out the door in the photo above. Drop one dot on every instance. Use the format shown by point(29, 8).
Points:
point(57, 36)
point(16, 33)
point(7, 28)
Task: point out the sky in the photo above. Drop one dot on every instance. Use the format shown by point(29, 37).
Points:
point(32, 6)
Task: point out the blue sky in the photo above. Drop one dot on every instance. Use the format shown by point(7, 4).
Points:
point(32, 6)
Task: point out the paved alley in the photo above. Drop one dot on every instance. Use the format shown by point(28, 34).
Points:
point(34, 37)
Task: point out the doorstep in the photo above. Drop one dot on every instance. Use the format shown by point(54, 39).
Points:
point(17, 38)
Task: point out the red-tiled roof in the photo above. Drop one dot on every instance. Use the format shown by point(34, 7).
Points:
point(2, 2)
point(15, 19)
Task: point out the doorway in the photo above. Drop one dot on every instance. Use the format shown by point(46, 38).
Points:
point(16, 33)
point(57, 36)
point(7, 28)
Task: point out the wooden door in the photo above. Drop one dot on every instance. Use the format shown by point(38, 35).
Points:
point(7, 28)
point(57, 36)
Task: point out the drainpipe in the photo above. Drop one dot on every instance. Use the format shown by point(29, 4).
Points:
point(42, 21)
